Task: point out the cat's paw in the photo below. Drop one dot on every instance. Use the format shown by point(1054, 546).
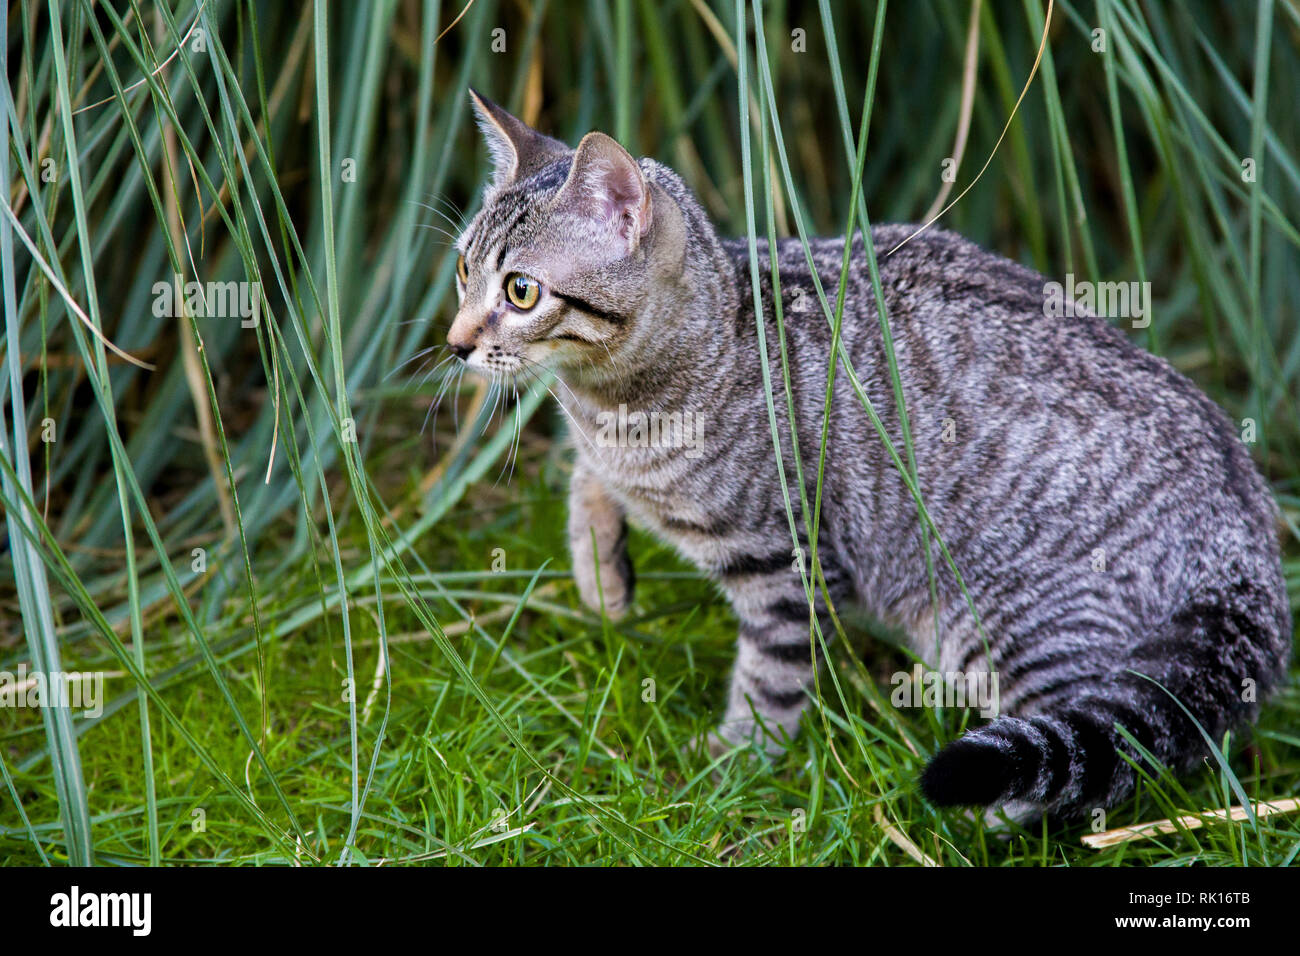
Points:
point(1001, 819)
point(615, 588)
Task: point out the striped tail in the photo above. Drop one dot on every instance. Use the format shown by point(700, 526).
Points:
point(1068, 760)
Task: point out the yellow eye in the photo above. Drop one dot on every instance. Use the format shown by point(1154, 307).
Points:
point(462, 270)
point(522, 291)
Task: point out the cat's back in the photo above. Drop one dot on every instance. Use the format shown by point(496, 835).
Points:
point(1009, 399)
point(1111, 432)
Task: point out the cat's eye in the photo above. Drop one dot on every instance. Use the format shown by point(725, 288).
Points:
point(522, 291)
point(462, 270)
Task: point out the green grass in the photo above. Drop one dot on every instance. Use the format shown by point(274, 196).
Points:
point(383, 658)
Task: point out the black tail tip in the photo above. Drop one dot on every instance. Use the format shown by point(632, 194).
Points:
point(969, 772)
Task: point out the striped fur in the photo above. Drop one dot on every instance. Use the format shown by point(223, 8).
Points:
point(1040, 445)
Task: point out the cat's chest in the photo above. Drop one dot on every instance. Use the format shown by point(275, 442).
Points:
point(688, 506)
point(657, 489)
point(651, 460)
point(656, 464)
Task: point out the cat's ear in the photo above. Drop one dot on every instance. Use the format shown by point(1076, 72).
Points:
point(607, 186)
point(516, 148)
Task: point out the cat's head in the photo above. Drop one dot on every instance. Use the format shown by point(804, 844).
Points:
point(566, 256)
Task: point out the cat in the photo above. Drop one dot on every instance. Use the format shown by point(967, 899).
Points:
point(1112, 532)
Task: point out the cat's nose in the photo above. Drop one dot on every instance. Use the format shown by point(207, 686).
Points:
point(464, 335)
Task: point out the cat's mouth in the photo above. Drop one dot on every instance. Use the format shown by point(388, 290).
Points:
point(510, 363)
point(495, 362)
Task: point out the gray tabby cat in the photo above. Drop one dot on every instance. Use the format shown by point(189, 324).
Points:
point(1042, 446)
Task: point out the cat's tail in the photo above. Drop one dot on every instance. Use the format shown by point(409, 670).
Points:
point(1216, 659)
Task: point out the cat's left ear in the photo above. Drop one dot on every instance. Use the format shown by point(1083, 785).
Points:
point(517, 149)
point(607, 186)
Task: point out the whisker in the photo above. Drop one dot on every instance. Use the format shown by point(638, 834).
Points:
point(505, 410)
point(519, 433)
point(425, 225)
point(564, 409)
point(455, 405)
point(437, 212)
point(437, 402)
point(418, 355)
point(461, 216)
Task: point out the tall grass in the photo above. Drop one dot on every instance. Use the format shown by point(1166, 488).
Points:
point(336, 628)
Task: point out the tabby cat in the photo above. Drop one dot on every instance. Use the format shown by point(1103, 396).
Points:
point(1114, 537)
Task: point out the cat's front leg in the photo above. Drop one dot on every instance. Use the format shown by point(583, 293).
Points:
point(774, 669)
point(598, 541)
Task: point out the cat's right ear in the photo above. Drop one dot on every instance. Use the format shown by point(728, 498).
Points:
point(606, 187)
point(516, 148)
